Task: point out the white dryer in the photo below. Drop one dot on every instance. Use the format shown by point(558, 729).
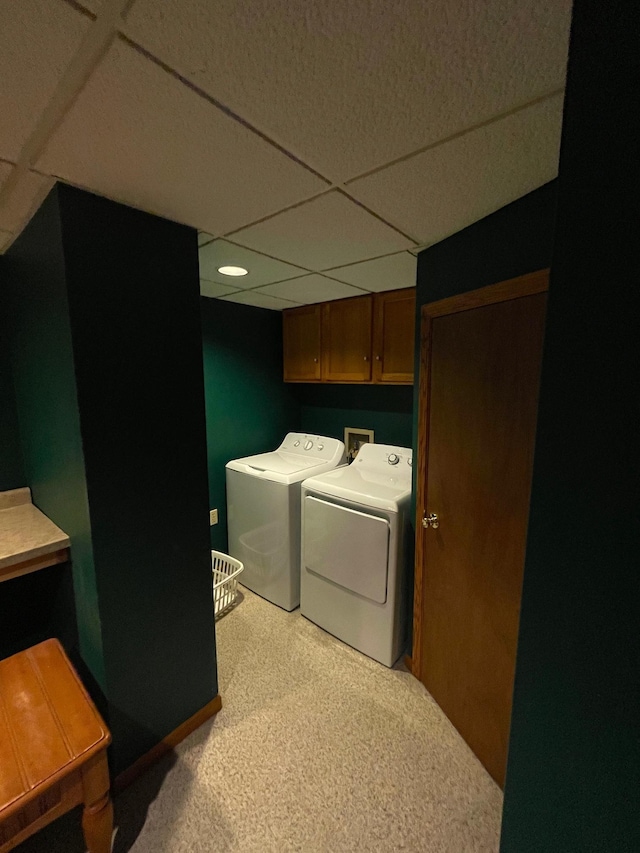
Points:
point(263, 512)
point(356, 545)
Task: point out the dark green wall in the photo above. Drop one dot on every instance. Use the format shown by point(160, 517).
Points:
point(328, 409)
point(573, 774)
point(11, 467)
point(249, 407)
point(108, 372)
point(513, 241)
point(44, 378)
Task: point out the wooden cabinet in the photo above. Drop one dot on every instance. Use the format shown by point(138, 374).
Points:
point(393, 336)
point(364, 339)
point(346, 340)
point(301, 343)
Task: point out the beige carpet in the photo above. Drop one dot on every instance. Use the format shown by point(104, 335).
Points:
point(317, 748)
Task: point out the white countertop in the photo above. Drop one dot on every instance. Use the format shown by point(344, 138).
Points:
point(26, 533)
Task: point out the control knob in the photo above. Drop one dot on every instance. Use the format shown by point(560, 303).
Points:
point(308, 444)
point(393, 459)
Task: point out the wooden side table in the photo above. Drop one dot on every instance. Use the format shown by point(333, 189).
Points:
point(53, 749)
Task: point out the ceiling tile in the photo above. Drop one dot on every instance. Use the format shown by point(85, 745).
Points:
point(389, 273)
point(203, 238)
point(137, 134)
point(213, 289)
point(38, 39)
point(447, 188)
point(259, 300)
point(349, 86)
point(5, 240)
point(328, 231)
point(311, 288)
point(25, 198)
point(262, 270)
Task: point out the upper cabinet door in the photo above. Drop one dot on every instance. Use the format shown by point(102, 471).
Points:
point(346, 339)
point(393, 336)
point(301, 337)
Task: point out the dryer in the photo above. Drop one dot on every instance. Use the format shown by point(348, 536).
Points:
point(356, 549)
point(263, 512)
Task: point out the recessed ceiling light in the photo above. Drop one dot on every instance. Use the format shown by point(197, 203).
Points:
point(233, 270)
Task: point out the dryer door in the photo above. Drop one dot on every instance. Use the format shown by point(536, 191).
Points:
point(347, 547)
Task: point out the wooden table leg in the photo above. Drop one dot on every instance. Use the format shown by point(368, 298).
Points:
point(97, 817)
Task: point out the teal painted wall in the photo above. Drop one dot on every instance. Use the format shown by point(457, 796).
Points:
point(513, 241)
point(110, 395)
point(249, 408)
point(12, 474)
point(134, 307)
point(44, 378)
point(573, 773)
point(328, 409)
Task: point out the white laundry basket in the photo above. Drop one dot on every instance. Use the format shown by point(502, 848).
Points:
point(225, 581)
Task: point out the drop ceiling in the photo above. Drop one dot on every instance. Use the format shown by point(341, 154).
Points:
point(319, 145)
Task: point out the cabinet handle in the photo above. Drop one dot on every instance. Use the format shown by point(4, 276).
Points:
point(377, 358)
point(315, 360)
point(366, 358)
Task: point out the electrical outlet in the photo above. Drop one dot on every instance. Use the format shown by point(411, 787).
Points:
point(213, 517)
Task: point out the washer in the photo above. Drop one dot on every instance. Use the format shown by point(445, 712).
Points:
point(263, 512)
point(356, 549)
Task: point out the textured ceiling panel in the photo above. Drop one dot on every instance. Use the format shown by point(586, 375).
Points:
point(327, 232)
point(349, 86)
point(38, 39)
point(447, 188)
point(311, 288)
point(5, 239)
point(137, 134)
point(26, 197)
point(259, 300)
point(212, 288)
point(390, 273)
point(262, 270)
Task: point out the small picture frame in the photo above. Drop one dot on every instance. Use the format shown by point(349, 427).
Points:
point(354, 438)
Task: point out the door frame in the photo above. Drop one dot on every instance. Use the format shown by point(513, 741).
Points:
point(503, 291)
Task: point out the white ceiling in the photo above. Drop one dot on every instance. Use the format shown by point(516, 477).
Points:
point(326, 142)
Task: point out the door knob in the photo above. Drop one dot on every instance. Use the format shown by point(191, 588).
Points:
point(431, 520)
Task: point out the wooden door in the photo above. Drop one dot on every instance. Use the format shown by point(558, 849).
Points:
point(478, 410)
point(393, 336)
point(301, 338)
point(346, 339)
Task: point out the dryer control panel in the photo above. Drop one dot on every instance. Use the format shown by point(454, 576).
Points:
point(385, 459)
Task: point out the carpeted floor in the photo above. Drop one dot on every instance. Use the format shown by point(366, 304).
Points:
point(317, 748)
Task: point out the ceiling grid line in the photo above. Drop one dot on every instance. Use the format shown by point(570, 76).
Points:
point(219, 105)
point(92, 48)
point(458, 134)
point(286, 209)
point(417, 121)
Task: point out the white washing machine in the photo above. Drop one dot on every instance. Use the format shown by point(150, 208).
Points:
point(356, 545)
point(263, 512)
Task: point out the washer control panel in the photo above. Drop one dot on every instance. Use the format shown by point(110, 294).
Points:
point(318, 447)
